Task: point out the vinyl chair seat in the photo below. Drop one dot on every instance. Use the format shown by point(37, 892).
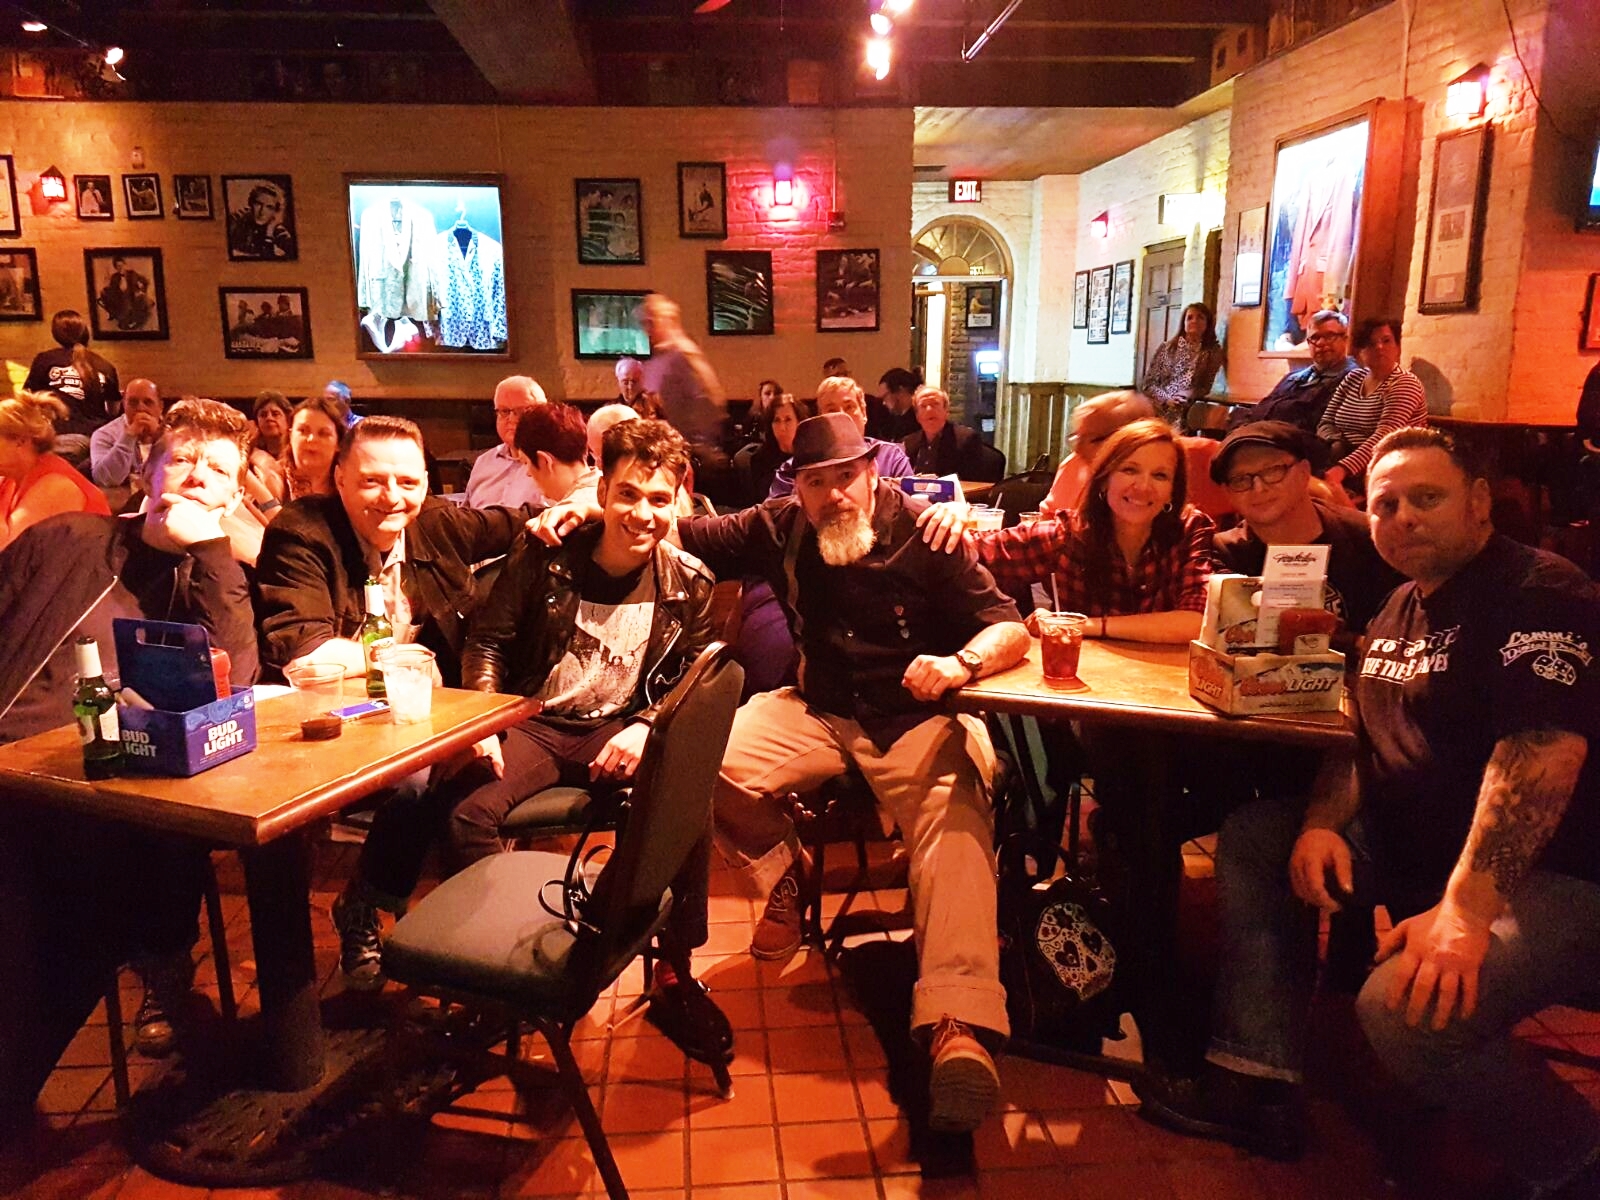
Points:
point(552, 810)
point(483, 932)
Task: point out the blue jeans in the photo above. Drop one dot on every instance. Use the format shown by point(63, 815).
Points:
point(1546, 948)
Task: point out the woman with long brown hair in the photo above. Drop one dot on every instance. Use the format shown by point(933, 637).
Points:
point(83, 381)
point(319, 422)
point(1134, 557)
point(1183, 369)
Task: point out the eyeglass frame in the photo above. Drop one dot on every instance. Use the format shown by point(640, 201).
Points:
point(1317, 339)
point(1281, 471)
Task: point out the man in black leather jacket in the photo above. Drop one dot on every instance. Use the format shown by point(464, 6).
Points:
point(599, 629)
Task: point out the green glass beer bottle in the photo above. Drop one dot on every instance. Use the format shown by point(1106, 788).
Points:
point(376, 633)
point(95, 707)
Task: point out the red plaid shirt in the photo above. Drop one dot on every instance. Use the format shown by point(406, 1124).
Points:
point(1169, 576)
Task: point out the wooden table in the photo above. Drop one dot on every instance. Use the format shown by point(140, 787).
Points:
point(1142, 691)
point(262, 805)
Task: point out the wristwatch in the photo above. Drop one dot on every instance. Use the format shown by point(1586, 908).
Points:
point(972, 661)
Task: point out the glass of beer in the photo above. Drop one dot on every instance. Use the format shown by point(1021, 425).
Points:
point(1060, 646)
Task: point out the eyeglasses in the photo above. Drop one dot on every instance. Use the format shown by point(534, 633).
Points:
point(506, 412)
point(1271, 477)
point(1317, 339)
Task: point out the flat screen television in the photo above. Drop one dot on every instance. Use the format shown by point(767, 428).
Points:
point(1589, 208)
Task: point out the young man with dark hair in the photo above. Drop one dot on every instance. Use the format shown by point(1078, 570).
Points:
point(83, 895)
point(599, 629)
point(892, 417)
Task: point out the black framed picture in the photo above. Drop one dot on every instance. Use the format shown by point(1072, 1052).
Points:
point(982, 305)
point(1589, 335)
point(19, 286)
point(610, 223)
point(260, 212)
point(608, 324)
point(739, 292)
point(1122, 297)
point(94, 197)
point(192, 197)
point(265, 322)
point(1452, 257)
point(702, 200)
point(847, 291)
point(1099, 306)
point(142, 194)
point(127, 293)
point(1080, 300)
point(10, 214)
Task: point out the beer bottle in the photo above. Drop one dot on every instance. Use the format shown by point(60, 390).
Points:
point(376, 633)
point(95, 707)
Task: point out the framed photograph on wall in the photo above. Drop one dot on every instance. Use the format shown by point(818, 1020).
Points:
point(1313, 223)
point(142, 194)
point(1080, 300)
point(127, 293)
point(19, 286)
point(1589, 335)
point(1122, 297)
point(192, 197)
point(847, 291)
point(1099, 325)
point(982, 303)
point(702, 200)
point(738, 292)
point(451, 224)
point(608, 324)
point(1453, 254)
point(1249, 253)
point(610, 222)
point(265, 322)
point(94, 197)
point(260, 212)
point(10, 214)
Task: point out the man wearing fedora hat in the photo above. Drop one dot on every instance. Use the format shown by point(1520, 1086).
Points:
point(885, 627)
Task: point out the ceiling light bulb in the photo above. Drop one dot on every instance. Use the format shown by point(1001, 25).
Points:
point(878, 56)
point(897, 8)
point(881, 23)
point(114, 55)
point(34, 27)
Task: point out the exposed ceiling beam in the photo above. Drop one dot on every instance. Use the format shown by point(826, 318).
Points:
point(1063, 45)
point(1052, 84)
point(528, 50)
point(1169, 13)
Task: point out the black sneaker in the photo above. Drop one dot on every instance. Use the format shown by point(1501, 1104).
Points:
point(360, 940)
point(168, 980)
point(1228, 1107)
point(684, 1010)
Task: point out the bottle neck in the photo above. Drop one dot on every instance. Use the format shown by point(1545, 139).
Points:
point(376, 607)
point(88, 655)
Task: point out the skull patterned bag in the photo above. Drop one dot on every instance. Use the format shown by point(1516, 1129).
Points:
point(1058, 960)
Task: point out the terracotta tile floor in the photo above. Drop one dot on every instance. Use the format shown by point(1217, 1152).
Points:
point(812, 1117)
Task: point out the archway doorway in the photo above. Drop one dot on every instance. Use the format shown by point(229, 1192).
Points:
point(961, 310)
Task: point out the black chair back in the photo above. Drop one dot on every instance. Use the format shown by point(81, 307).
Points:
point(992, 468)
point(670, 809)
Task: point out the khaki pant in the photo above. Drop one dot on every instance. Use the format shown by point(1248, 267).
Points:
point(935, 782)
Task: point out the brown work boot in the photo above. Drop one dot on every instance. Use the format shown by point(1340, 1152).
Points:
point(964, 1084)
point(777, 934)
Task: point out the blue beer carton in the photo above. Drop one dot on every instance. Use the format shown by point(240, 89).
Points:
point(936, 489)
point(189, 729)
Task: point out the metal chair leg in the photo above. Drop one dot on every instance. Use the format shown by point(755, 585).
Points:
point(578, 1095)
point(119, 1047)
point(219, 944)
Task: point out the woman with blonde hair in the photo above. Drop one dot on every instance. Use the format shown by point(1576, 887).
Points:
point(35, 482)
point(678, 375)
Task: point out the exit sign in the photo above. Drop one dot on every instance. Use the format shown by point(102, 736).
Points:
point(966, 191)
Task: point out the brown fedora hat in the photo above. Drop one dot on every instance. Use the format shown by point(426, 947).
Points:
point(829, 440)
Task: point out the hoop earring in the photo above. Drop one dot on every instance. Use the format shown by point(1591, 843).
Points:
point(1168, 508)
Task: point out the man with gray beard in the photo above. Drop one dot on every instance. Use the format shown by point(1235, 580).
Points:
point(885, 628)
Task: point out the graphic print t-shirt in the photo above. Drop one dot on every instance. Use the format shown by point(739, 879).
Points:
point(1507, 645)
point(598, 675)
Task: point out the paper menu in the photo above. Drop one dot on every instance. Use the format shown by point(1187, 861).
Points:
point(1291, 577)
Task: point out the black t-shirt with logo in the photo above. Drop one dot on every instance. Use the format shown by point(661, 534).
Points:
point(1358, 579)
point(1507, 645)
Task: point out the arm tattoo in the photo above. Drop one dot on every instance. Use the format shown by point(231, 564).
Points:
point(1527, 786)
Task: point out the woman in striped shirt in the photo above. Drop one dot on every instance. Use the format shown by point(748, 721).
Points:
point(1375, 399)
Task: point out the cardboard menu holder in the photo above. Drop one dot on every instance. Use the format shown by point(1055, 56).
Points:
point(1233, 669)
point(188, 729)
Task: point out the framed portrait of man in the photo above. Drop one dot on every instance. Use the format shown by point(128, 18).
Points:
point(127, 293)
point(702, 200)
point(260, 212)
point(94, 197)
point(610, 222)
point(19, 286)
point(847, 291)
point(193, 197)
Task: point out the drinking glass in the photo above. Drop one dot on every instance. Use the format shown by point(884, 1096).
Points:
point(318, 687)
point(408, 679)
point(986, 518)
point(1060, 645)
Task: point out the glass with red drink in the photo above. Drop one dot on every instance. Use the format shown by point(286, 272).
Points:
point(1060, 645)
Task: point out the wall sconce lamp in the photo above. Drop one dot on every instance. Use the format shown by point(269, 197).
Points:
point(1101, 226)
point(782, 186)
point(1464, 99)
point(53, 185)
point(878, 57)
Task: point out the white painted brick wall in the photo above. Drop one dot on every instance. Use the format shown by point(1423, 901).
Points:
point(1191, 159)
point(540, 151)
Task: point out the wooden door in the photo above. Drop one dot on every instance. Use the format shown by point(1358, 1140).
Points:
point(1160, 302)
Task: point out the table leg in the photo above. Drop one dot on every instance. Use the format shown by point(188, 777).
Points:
point(278, 886)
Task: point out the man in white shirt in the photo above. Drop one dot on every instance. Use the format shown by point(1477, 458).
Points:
point(119, 447)
point(498, 477)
